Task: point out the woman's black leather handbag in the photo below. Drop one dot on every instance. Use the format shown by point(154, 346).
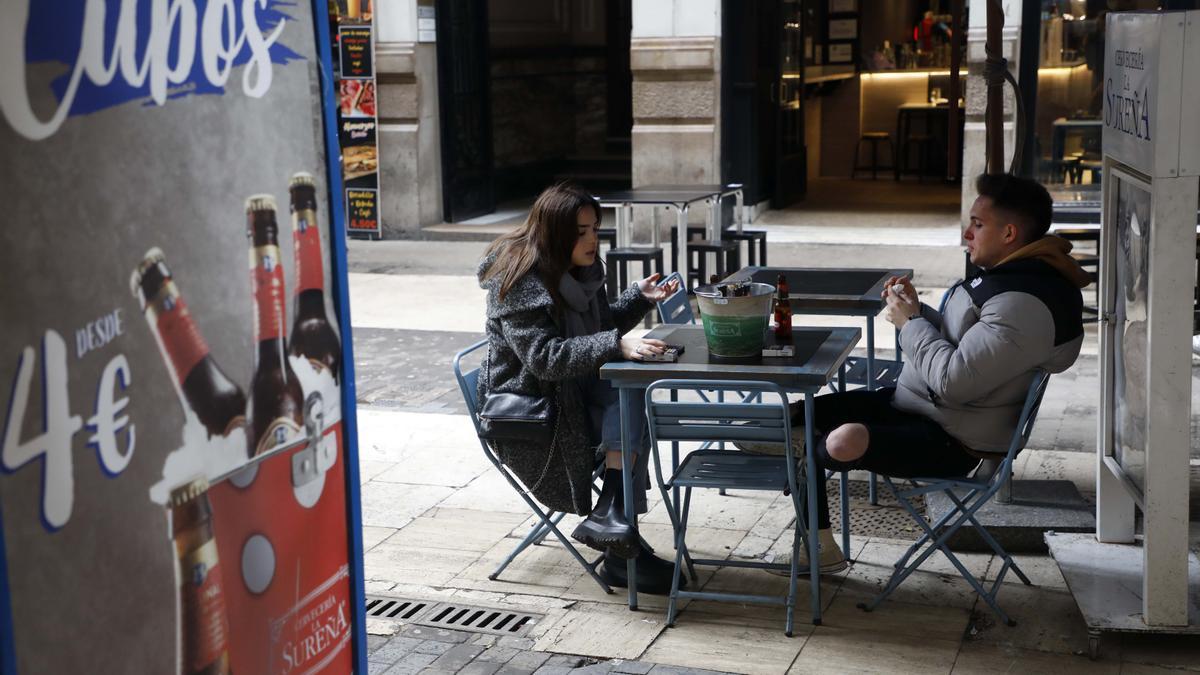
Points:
point(506, 416)
point(516, 417)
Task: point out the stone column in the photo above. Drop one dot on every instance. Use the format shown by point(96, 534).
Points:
point(410, 173)
point(675, 56)
point(975, 132)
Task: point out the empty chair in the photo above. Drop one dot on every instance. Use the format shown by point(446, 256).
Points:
point(760, 422)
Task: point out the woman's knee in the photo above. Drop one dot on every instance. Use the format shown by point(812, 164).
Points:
point(848, 442)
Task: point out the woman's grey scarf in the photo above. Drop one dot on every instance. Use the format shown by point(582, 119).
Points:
point(581, 316)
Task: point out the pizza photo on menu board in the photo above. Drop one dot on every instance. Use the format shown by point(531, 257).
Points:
point(357, 98)
point(359, 160)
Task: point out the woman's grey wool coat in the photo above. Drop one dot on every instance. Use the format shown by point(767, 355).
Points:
point(529, 354)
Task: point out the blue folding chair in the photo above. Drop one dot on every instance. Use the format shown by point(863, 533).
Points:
point(968, 494)
point(676, 308)
point(547, 520)
point(749, 420)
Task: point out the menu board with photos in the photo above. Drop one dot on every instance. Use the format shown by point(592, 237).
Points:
point(178, 490)
point(357, 116)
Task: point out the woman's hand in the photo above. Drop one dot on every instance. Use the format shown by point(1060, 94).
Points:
point(635, 349)
point(655, 293)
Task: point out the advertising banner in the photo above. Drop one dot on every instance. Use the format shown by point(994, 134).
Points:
point(355, 30)
point(178, 487)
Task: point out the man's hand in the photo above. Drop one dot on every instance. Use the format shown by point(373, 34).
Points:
point(654, 292)
point(903, 284)
point(900, 305)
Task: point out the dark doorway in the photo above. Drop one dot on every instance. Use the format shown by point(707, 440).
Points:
point(762, 128)
point(464, 99)
point(562, 102)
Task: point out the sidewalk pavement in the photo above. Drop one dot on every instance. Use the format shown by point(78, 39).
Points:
point(438, 518)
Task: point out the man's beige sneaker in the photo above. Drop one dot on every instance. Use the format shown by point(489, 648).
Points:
point(776, 449)
point(832, 559)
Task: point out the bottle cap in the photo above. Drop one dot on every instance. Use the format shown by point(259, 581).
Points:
point(189, 491)
point(302, 178)
point(260, 203)
point(154, 258)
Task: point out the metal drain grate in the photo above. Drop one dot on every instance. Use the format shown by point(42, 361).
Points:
point(480, 619)
point(396, 609)
point(889, 519)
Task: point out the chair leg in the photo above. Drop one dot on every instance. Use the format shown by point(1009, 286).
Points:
point(553, 527)
point(844, 493)
point(938, 543)
point(535, 537)
point(790, 624)
point(672, 604)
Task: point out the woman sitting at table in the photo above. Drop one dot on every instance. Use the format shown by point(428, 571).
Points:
point(549, 328)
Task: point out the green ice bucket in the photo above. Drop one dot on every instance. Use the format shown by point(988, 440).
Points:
point(735, 327)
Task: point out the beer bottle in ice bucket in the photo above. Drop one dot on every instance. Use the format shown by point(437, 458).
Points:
point(783, 310)
point(276, 399)
point(202, 386)
point(203, 622)
point(312, 336)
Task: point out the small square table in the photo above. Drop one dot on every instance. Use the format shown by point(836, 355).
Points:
point(832, 291)
point(819, 353)
point(679, 197)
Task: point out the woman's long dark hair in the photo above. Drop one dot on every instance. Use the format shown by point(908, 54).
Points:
point(545, 242)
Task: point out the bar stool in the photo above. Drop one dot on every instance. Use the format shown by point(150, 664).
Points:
point(609, 235)
point(751, 237)
point(874, 138)
point(925, 144)
point(617, 263)
point(728, 254)
point(693, 232)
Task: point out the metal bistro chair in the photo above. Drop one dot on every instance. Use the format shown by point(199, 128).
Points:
point(675, 421)
point(547, 520)
point(676, 309)
point(978, 490)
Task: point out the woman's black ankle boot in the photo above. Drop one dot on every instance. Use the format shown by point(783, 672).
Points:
point(606, 527)
point(654, 574)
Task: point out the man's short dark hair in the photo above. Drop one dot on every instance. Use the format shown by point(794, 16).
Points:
point(1025, 200)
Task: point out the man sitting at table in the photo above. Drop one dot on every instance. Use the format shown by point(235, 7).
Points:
point(967, 370)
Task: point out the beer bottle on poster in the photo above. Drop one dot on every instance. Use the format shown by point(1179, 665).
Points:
point(203, 621)
point(783, 310)
point(276, 400)
point(313, 337)
point(218, 403)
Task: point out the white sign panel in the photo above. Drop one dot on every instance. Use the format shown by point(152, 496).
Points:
point(1189, 152)
point(1143, 82)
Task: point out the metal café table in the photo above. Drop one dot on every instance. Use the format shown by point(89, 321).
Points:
point(834, 292)
point(678, 197)
point(819, 353)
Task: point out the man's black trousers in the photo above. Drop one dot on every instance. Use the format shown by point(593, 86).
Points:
point(901, 445)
